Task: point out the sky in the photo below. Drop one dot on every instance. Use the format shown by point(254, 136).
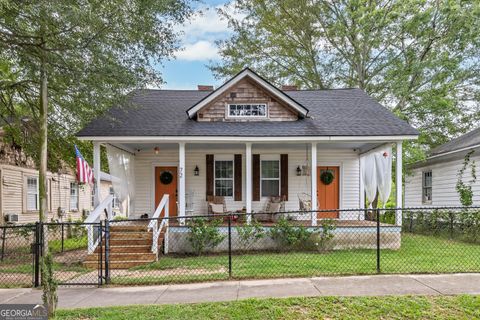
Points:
point(199, 34)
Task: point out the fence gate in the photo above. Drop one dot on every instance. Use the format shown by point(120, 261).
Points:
point(75, 260)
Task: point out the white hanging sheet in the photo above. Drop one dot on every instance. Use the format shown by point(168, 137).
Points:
point(369, 176)
point(383, 163)
point(121, 165)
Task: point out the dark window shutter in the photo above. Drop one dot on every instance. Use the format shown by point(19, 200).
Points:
point(284, 176)
point(256, 177)
point(209, 175)
point(237, 180)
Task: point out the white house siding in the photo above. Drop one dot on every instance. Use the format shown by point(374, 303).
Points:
point(146, 160)
point(444, 179)
point(13, 194)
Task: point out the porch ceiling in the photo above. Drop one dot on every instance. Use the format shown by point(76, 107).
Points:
point(359, 146)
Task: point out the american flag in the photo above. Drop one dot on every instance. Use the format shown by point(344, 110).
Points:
point(84, 172)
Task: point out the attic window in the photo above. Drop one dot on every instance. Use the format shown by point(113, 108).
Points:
point(251, 110)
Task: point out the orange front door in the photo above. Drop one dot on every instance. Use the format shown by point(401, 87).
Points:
point(328, 182)
point(166, 183)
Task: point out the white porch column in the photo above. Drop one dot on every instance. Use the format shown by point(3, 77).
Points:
point(313, 176)
point(181, 182)
point(96, 173)
point(248, 179)
point(362, 186)
point(399, 184)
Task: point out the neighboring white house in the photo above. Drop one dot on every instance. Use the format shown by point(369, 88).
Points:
point(246, 141)
point(433, 182)
point(19, 192)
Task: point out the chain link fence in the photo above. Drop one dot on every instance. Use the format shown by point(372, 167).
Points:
point(16, 256)
point(240, 246)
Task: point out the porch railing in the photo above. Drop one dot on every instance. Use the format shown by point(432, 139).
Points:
point(157, 230)
point(105, 207)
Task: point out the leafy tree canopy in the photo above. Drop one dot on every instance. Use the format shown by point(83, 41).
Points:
point(94, 52)
point(419, 58)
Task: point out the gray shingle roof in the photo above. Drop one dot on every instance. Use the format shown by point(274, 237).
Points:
point(469, 139)
point(341, 112)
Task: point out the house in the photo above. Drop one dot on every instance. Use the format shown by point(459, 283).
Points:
point(433, 182)
point(247, 141)
point(19, 194)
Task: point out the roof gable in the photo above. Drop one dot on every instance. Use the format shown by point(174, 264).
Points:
point(261, 82)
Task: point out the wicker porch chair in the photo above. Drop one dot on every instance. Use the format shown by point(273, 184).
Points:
point(216, 205)
point(270, 213)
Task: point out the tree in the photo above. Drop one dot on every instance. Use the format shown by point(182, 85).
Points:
point(76, 58)
point(419, 58)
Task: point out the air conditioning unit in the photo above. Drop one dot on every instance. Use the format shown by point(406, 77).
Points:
point(11, 217)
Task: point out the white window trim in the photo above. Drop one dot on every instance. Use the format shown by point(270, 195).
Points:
point(270, 157)
point(223, 158)
point(27, 193)
point(424, 201)
point(227, 110)
point(77, 195)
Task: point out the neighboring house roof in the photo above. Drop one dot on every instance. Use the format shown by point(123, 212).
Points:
point(470, 139)
point(247, 73)
point(453, 150)
point(336, 112)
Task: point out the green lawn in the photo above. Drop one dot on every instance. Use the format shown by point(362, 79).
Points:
point(69, 244)
point(405, 307)
point(418, 254)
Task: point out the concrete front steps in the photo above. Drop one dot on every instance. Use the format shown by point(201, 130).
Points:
point(130, 246)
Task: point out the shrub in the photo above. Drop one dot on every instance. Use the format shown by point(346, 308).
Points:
point(75, 229)
point(204, 234)
point(323, 235)
point(290, 236)
point(470, 224)
point(388, 217)
point(249, 234)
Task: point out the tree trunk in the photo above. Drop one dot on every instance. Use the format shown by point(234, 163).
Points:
point(43, 141)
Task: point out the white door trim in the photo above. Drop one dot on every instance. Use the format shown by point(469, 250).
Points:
point(152, 181)
point(340, 182)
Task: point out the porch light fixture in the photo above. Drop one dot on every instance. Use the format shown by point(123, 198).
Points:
point(156, 149)
point(299, 171)
point(196, 171)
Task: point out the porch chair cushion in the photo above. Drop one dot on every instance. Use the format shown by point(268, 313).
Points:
point(216, 205)
point(216, 208)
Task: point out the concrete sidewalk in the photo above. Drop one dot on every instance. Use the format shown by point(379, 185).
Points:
point(378, 285)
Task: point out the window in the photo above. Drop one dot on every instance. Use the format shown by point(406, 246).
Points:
point(115, 201)
point(224, 178)
point(254, 110)
point(270, 178)
point(32, 194)
point(73, 196)
point(427, 187)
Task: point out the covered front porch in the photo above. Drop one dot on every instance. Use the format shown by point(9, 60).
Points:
point(247, 174)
